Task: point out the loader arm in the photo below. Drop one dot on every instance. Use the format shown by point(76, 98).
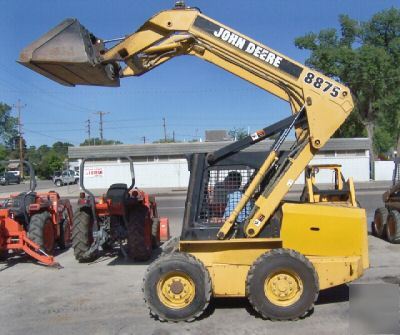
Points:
point(319, 104)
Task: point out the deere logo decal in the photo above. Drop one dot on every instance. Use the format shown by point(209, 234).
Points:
point(249, 47)
point(242, 43)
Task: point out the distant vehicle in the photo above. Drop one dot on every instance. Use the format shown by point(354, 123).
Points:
point(16, 172)
point(76, 176)
point(65, 177)
point(8, 178)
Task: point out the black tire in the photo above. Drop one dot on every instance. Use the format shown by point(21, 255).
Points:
point(171, 246)
point(38, 226)
point(82, 235)
point(393, 227)
point(379, 223)
point(173, 264)
point(58, 183)
point(3, 255)
point(139, 245)
point(155, 233)
point(64, 230)
point(274, 263)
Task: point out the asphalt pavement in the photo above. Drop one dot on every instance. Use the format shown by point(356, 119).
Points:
point(104, 297)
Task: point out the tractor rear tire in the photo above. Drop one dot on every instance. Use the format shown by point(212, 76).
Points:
point(64, 241)
point(82, 235)
point(282, 285)
point(379, 224)
point(393, 227)
point(41, 231)
point(139, 234)
point(155, 233)
point(3, 255)
point(177, 287)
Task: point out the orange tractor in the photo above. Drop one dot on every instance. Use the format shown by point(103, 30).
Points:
point(34, 223)
point(123, 214)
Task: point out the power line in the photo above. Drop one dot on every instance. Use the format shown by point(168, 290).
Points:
point(48, 136)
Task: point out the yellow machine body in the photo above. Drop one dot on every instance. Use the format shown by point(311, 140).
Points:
point(310, 229)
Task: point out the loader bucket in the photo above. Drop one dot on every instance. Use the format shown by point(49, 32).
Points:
point(70, 55)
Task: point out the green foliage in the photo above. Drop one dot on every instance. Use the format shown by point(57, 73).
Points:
point(364, 56)
point(50, 163)
point(97, 141)
point(3, 152)
point(46, 160)
point(237, 134)
point(8, 126)
point(162, 140)
point(61, 148)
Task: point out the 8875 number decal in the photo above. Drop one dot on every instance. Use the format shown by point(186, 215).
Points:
point(322, 84)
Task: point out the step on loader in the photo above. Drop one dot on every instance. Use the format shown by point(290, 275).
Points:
point(243, 239)
point(123, 214)
point(34, 223)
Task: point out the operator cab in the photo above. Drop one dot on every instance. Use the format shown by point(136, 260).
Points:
point(214, 189)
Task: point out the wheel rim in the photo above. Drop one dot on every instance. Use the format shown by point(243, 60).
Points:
point(378, 223)
point(176, 290)
point(283, 288)
point(391, 226)
point(48, 236)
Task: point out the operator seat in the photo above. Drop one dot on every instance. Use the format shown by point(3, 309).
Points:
point(19, 207)
point(118, 193)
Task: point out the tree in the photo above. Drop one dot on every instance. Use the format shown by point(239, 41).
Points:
point(3, 152)
point(8, 125)
point(237, 134)
point(97, 141)
point(169, 140)
point(50, 162)
point(61, 148)
point(365, 57)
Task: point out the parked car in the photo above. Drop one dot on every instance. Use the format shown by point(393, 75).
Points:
point(7, 178)
point(66, 177)
point(77, 176)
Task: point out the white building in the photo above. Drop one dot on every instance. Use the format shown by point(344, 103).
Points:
point(165, 165)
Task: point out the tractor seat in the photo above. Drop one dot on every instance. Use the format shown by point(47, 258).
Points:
point(118, 193)
point(20, 204)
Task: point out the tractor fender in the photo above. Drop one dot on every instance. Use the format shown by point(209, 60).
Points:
point(164, 229)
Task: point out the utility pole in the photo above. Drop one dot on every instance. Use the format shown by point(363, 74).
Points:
point(18, 106)
point(101, 114)
point(165, 130)
point(88, 129)
point(144, 139)
point(173, 136)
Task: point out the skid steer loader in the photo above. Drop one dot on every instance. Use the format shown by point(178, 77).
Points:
point(279, 254)
point(34, 223)
point(386, 224)
point(122, 214)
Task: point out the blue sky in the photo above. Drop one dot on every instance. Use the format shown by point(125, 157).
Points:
point(191, 94)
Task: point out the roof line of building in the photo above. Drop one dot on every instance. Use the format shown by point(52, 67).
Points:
point(181, 149)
